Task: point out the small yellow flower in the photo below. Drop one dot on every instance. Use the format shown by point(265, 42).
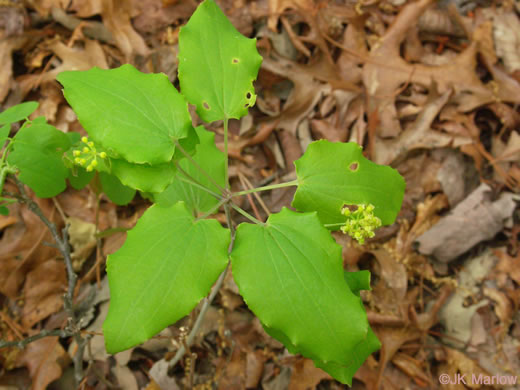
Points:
point(91, 144)
point(361, 223)
point(102, 155)
point(86, 150)
point(84, 140)
point(76, 153)
point(94, 163)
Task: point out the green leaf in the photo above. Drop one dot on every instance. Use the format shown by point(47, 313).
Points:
point(341, 372)
point(79, 177)
point(17, 113)
point(136, 115)
point(290, 274)
point(115, 190)
point(4, 132)
point(344, 373)
point(332, 174)
point(143, 177)
point(4, 210)
point(188, 144)
point(217, 65)
point(213, 161)
point(37, 153)
point(358, 281)
point(166, 266)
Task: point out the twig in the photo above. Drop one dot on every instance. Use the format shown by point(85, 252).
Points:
point(62, 244)
point(44, 333)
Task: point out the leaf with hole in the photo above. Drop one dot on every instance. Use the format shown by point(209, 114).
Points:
point(166, 266)
point(332, 174)
point(211, 160)
point(17, 113)
point(37, 152)
point(217, 65)
point(136, 115)
point(290, 274)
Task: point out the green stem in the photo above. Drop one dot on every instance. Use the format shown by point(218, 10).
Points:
point(197, 166)
point(328, 225)
point(213, 209)
point(4, 171)
point(247, 215)
point(190, 180)
point(266, 188)
point(226, 120)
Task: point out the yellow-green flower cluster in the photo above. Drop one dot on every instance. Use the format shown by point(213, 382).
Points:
point(360, 223)
point(87, 155)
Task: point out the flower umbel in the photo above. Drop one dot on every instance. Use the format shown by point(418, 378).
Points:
point(86, 155)
point(360, 223)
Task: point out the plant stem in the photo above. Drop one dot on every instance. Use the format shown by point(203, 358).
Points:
point(226, 120)
point(247, 215)
point(191, 180)
point(196, 165)
point(5, 169)
point(3, 174)
point(329, 225)
point(266, 188)
point(213, 209)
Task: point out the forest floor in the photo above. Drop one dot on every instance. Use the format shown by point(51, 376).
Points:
point(431, 88)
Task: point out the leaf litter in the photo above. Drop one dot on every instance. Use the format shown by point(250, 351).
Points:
point(431, 88)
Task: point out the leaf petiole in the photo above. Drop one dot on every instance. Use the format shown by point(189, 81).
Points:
point(226, 120)
point(329, 225)
point(266, 188)
point(196, 165)
point(190, 180)
point(213, 209)
point(246, 214)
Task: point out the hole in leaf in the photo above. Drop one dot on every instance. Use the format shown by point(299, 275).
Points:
point(248, 95)
point(354, 166)
point(235, 61)
point(206, 105)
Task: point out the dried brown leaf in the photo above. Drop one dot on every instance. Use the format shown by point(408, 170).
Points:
point(506, 31)
point(43, 291)
point(305, 375)
point(45, 359)
point(116, 16)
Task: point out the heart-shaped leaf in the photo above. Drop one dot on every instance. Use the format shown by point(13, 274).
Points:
point(166, 266)
point(291, 276)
